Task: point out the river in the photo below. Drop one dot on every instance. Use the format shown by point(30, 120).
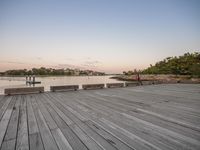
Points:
point(10, 82)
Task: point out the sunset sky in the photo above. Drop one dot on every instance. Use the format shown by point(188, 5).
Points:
point(103, 35)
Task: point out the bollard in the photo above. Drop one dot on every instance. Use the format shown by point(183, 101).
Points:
point(33, 78)
point(26, 78)
point(29, 78)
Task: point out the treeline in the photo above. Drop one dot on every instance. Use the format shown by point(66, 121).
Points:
point(130, 72)
point(188, 64)
point(50, 71)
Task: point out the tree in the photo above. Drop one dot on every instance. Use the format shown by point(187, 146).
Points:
point(188, 64)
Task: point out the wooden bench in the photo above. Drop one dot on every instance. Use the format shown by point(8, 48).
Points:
point(130, 84)
point(25, 90)
point(157, 82)
point(114, 85)
point(92, 86)
point(64, 88)
point(147, 82)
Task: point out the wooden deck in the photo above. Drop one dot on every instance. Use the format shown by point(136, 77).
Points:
point(144, 117)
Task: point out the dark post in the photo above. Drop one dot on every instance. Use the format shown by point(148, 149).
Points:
point(29, 77)
point(33, 78)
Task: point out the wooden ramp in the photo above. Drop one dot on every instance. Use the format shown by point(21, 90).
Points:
point(160, 117)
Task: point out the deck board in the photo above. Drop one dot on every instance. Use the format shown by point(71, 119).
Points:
point(13, 123)
point(160, 117)
point(22, 134)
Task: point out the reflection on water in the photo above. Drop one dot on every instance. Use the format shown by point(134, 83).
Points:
point(9, 82)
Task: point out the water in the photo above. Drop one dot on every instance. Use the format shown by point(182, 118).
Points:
point(10, 82)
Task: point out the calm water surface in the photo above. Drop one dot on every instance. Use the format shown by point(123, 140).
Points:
point(9, 82)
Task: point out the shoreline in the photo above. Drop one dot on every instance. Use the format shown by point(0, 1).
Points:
point(162, 78)
point(56, 75)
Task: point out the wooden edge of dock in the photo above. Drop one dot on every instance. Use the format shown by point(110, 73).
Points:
point(114, 85)
point(24, 90)
point(29, 90)
point(64, 88)
point(93, 86)
point(131, 84)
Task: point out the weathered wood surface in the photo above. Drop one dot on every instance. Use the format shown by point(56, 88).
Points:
point(113, 85)
point(159, 117)
point(64, 88)
point(129, 84)
point(93, 86)
point(147, 82)
point(26, 90)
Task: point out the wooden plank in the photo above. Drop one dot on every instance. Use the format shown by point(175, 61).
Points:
point(129, 141)
point(65, 108)
point(169, 119)
point(8, 145)
point(1, 96)
point(117, 117)
point(4, 122)
point(3, 99)
point(171, 133)
point(67, 120)
point(64, 88)
point(60, 139)
point(114, 85)
point(4, 107)
point(89, 141)
point(73, 139)
point(22, 136)
point(36, 141)
point(130, 135)
point(46, 135)
point(96, 137)
point(109, 137)
point(26, 90)
point(161, 110)
point(165, 124)
point(49, 120)
point(85, 138)
point(147, 82)
point(92, 86)
point(103, 142)
point(125, 121)
point(57, 134)
point(32, 124)
point(11, 132)
point(134, 144)
point(157, 90)
point(131, 84)
point(168, 134)
point(91, 133)
point(177, 115)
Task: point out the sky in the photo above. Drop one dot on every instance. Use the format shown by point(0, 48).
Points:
point(103, 35)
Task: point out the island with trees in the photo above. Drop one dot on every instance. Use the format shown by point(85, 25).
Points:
point(51, 72)
point(185, 67)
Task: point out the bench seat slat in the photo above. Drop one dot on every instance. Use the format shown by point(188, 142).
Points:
point(112, 85)
point(92, 86)
point(24, 90)
point(64, 88)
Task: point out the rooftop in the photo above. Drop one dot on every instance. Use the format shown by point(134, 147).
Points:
point(165, 116)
